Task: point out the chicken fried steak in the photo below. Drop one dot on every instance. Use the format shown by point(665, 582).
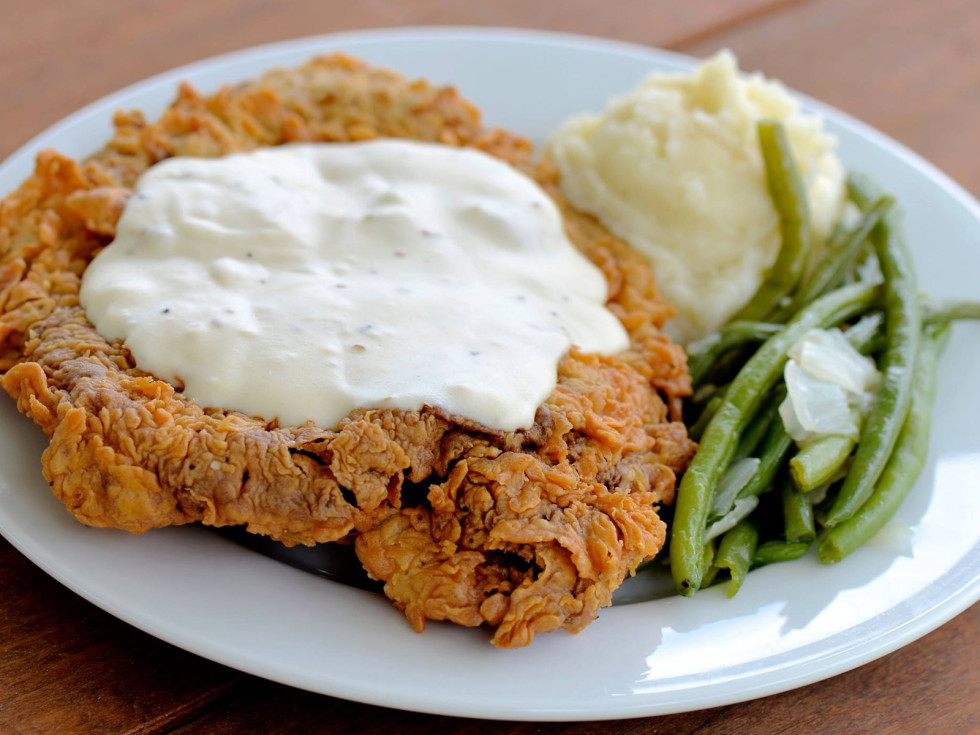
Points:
point(526, 531)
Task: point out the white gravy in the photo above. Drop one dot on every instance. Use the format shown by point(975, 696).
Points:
point(303, 281)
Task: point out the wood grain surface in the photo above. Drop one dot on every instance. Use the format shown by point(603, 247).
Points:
point(909, 68)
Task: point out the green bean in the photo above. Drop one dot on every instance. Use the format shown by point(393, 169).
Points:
point(707, 392)
point(797, 514)
point(705, 353)
point(711, 407)
point(708, 565)
point(775, 448)
point(830, 274)
point(902, 330)
point(819, 461)
point(876, 345)
point(867, 260)
point(905, 464)
point(754, 381)
point(727, 366)
point(774, 552)
point(853, 274)
point(736, 553)
point(862, 190)
point(789, 198)
point(758, 427)
point(947, 311)
point(841, 255)
point(865, 335)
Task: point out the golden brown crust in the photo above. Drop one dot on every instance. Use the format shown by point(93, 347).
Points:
point(526, 531)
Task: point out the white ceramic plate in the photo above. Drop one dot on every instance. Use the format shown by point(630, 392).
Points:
point(791, 624)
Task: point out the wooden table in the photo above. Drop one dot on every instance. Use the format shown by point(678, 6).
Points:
point(909, 68)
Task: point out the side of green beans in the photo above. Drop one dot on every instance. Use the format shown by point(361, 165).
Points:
point(740, 421)
point(842, 254)
point(819, 461)
point(742, 400)
point(703, 354)
point(789, 198)
point(774, 552)
point(905, 464)
point(797, 514)
point(736, 553)
point(902, 331)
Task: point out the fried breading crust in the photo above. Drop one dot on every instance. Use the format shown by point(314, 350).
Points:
point(526, 531)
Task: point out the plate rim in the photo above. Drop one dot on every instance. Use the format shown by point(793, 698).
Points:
point(840, 661)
